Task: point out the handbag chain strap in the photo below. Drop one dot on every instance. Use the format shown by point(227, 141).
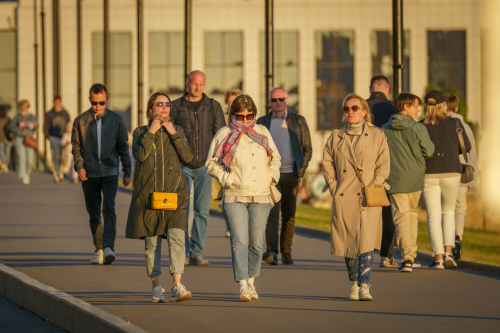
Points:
point(162, 163)
point(461, 139)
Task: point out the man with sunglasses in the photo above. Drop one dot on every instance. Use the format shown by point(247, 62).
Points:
point(100, 143)
point(201, 117)
point(291, 135)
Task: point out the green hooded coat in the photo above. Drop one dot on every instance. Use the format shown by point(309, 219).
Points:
point(170, 151)
point(409, 146)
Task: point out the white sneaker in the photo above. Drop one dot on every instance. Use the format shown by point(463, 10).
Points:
point(253, 293)
point(245, 294)
point(416, 263)
point(26, 180)
point(364, 293)
point(179, 293)
point(98, 259)
point(109, 256)
point(388, 262)
point(354, 294)
point(449, 261)
point(157, 295)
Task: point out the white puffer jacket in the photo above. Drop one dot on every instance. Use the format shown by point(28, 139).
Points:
point(252, 172)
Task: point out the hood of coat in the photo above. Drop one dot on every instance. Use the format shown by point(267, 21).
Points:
point(400, 122)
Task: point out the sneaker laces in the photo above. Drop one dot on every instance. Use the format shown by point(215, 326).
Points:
point(179, 287)
point(365, 286)
point(354, 286)
point(158, 291)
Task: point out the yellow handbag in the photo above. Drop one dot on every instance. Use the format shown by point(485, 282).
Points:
point(163, 200)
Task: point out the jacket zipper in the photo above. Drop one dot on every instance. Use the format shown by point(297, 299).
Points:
point(97, 134)
point(197, 143)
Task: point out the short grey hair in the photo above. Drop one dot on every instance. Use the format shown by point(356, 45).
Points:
point(277, 88)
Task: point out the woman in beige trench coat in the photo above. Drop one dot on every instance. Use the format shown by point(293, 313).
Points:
point(356, 228)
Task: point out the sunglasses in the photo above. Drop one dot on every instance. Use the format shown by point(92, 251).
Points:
point(100, 103)
point(240, 117)
point(281, 99)
point(161, 104)
point(354, 108)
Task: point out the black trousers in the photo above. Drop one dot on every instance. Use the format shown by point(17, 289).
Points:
point(287, 186)
point(388, 230)
point(97, 191)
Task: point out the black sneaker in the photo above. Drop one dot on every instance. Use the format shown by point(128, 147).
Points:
point(406, 267)
point(457, 250)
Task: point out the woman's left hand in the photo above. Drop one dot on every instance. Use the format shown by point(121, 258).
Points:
point(169, 127)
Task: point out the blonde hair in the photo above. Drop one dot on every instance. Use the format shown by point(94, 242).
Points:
point(232, 92)
point(434, 113)
point(364, 105)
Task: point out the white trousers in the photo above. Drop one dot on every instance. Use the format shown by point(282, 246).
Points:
point(460, 210)
point(440, 196)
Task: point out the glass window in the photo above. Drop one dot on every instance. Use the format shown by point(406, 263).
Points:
point(8, 72)
point(446, 50)
point(166, 63)
point(286, 67)
point(223, 63)
point(334, 74)
point(381, 42)
point(120, 85)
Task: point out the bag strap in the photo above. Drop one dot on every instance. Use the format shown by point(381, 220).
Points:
point(359, 175)
point(461, 139)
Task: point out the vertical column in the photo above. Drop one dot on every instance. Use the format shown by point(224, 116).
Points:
point(188, 17)
point(140, 62)
point(397, 45)
point(269, 51)
point(106, 46)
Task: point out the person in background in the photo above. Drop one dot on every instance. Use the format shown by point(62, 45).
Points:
point(54, 127)
point(356, 228)
point(382, 109)
point(409, 146)
point(159, 149)
point(24, 124)
point(244, 158)
point(100, 143)
point(200, 117)
point(67, 149)
point(291, 135)
point(442, 179)
point(5, 140)
point(461, 207)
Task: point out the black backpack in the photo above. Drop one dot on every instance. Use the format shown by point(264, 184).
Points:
point(8, 133)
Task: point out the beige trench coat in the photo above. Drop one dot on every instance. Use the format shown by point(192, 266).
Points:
point(356, 229)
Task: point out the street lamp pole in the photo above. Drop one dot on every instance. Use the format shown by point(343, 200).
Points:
point(106, 45)
point(397, 45)
point(140, 69)
point(79, 54)
point(269, 50)
point(188, 11)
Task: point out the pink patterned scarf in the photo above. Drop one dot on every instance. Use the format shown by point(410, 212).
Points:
point(227, 148)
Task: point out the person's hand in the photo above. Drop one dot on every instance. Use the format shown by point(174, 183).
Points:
point(22, 124)
point(126, 181)
point(468, 189)
point(169, 127)
point(155, 126)
point(83, 175)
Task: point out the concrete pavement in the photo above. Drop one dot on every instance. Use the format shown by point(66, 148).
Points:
point(44, 233)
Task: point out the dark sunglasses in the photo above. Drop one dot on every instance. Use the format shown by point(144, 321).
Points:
point(281, 99)
point(354, 108)
point(100, 103)
point(161, 104)
point(240, 117)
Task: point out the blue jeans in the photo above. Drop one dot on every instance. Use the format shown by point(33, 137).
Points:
point(202, 198)
point(175, 253)
point(5, 148)
point(360, 268)
point(55, 147)
point(247, 223)
point(26, 157)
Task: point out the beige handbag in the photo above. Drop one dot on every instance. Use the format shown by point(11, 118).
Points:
point(375, 196)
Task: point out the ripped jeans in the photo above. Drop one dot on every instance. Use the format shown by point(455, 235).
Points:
point(360, 268)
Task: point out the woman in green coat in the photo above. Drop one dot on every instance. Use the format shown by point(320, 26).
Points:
point(162, 144)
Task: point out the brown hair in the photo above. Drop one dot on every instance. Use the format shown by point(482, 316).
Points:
point(232, 92)
point(364, 105)
point(434, 113)
point(98, 88)
point(240, 103)
point(405, 98)
point(452, 101)
point(3, 111)
point(151, 102)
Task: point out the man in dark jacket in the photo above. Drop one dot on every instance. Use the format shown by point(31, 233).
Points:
point(100, 142)
point(382, 109)
point(291, 135)
point(54, 127)
point(200, 117)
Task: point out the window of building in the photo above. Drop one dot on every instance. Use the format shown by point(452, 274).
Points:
point(286, 67)
point(381, 42)
point(223, 63)
point(8, 72)
point(446, 50)
point(166, 63)
point(334, 74)
point(120, 71)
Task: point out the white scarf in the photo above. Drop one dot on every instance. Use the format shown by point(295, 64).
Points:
point(355, 130)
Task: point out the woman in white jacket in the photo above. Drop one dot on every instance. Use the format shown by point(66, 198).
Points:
point(245, 160)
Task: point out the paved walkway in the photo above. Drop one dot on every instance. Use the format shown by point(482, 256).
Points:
point(44, 233)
